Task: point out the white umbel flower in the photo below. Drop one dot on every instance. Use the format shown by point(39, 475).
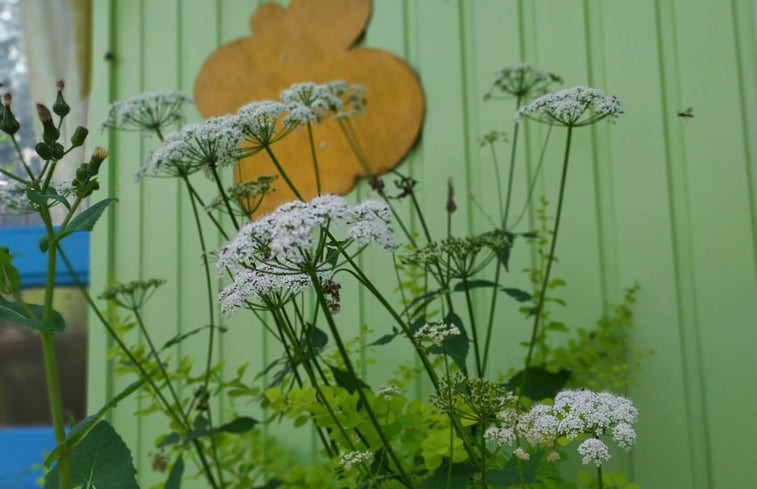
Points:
point(572, 107)
point(351, 459)
point(147, 112)
point(521, 81)
point(309, 102)
point(594, 451)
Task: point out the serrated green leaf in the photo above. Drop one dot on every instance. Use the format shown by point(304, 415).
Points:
point(39, 198)
point(345, 379)
point(82, 222)
point(27, 314)
point(10, 280)
point(540, 383)
point(174, 477)
point(84, 426)
point(101, 460)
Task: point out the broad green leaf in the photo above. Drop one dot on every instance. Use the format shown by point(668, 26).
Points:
point(540, 383)
point(101, 460)
point(82, 222)
point(174, 477)
point(517, 294)
point(345, 379)
point(30, 315)
point(40, 198)
point(84, 426)
point(10, 280)
point(239, 425)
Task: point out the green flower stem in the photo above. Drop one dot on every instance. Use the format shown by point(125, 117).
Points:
point(513, 148)
point(532, 184)
point(208, 213)
point(476, 348)
point(14, 177)
point(283, 174)
point(225, 197)
point(144, 374)
point(365, 281)
point(281, 323)
point(521, 474)
point(211, 319)
point(315, 159)
point(406, 480)
point(21, 158)
point(540, 304)
point(599, 477)
point(48, 352)
point(498, 178)
point(483, 459)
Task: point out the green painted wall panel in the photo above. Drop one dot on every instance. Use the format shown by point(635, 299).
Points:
point(667, 202)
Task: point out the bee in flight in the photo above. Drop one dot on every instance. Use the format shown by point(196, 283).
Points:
point(687, 114)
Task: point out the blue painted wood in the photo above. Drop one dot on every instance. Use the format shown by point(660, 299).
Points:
point(22, 451)
point(32, 263)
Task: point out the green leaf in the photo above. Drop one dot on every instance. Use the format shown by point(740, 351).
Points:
point(170, 439)
point(39, 198)
point(239, 425)
point(462, 473)
point(271, 484)
point(183, 336)
point(101, 460)
point(84, 426)
point(509, 475)
point(82, 222)
point(540, 383)
point(174, 477)
point(10, 280)
point(345, 379)
point(383, 340)
point(517, 294)
point(26, 314)
point(473, 284)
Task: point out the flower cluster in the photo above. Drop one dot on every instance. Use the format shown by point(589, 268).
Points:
point(205, 146)
point(436, 332)
point(574, 413)
point(572, 107)
point(278, 252)
point(351, 459)
point(310, 102)
point(522, 81)
point(459, 257)
point(147, 112)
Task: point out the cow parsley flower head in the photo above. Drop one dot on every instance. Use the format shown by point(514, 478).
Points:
point(572, 107)
point(205, 146)
point(260, 122)
point(309, 102)
point(521, 81)
point(14, 197)
point(287, 245)
point(147, 112)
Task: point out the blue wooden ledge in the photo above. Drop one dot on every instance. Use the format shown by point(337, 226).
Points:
point(32, 263)
point(23, 449)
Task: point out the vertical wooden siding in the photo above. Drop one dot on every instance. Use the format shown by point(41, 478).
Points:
point(656, 199)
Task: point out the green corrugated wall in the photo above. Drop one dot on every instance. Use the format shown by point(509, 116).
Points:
point(657, 199)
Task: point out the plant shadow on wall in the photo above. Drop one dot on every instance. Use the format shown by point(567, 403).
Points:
point(479, 428)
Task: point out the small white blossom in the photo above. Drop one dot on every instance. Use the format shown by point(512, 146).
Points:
point(521, 454)
point(351, 459)
point(594, 450)
point(147, 112)
point(572, 107)
point(352, 96)
point(624, 435)
point(500, 435)
point(436, 332)
point(553, 456)
point(260, 122)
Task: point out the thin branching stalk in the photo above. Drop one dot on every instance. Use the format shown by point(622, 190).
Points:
point(283, 174)
point(315, 159)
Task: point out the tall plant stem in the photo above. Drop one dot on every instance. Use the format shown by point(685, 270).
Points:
point(225, 198)
point(513, 148)
point(550, 258)
point(181, 421)
point(48, 352)
point(283, 174)
point(599, 477)
point(476, 347)
point(315, 159)
point(211, 318)
point(404, 476)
